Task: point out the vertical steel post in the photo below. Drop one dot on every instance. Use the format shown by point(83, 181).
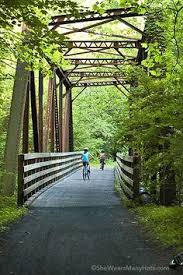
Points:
point(47, 125)
point(56, 118)
point(40, 112)
point(61, 113)
point(20, 195)
point(66, 121)
point(25, 137)
point(34, 112)
point(71, 138)
point(52, 124)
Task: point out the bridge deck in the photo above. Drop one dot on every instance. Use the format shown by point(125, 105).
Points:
point(80, 228)
point(74, 191)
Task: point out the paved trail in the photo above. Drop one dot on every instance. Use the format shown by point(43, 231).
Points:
point(78, 228)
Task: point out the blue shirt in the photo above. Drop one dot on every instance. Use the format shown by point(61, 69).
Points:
point(85, 157)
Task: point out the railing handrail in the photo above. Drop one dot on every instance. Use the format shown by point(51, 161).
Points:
point(38, 170)
point(47, 155)
point(127, 173)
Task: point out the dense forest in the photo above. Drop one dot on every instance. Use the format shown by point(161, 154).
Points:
point(148, 119)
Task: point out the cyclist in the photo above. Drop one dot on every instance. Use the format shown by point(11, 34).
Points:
point(102, 158)
point(85, 158)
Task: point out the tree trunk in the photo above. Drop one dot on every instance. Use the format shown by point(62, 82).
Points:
point(168, 186)
point(14, 129)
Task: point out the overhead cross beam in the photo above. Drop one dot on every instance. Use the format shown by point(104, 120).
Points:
point(130, 44)
point(98, 83)
point(100, 61)
point(95, 74)
point(92, 16)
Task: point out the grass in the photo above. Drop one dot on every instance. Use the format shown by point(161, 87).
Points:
point(9, 212)
point(165, 223)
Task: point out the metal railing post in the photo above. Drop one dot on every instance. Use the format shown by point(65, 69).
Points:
point(20, 195)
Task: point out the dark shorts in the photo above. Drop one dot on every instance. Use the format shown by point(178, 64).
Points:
point(85, 163)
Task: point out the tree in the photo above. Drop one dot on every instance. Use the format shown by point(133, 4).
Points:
point(33, 47)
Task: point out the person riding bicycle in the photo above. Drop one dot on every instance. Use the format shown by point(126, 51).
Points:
point(102, 157)
point(85, 158)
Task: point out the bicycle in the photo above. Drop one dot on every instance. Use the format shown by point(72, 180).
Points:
point(177, 261)
point(86, 172)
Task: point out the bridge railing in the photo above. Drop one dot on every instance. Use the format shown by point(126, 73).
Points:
point(127, 172)
point(38, 170)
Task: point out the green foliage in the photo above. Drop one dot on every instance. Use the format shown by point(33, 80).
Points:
point(9, 212)
point(152, 120)
point(95, 111)
point(166, 224)
point(37, 43)
point(5, 99)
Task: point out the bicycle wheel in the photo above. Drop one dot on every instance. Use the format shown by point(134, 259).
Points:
point(102, 165)
point(88, 174)
point(84, 172)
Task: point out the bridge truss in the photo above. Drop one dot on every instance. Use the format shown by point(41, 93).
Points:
point(87, 67)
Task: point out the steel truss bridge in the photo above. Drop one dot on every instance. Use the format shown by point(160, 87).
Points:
point(87, 66)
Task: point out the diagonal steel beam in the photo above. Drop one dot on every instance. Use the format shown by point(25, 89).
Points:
point(130, 25)
point(63, 77)
point(119, 52)
point(89, 27)
point(121, 90)
point(102, 33)
point(78, 80)
point(120, 83)
point(79, 94)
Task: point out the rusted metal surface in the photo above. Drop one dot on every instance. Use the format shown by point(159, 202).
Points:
point(61, 113)
point(63, 77)
point(56, 115)
point(34, 112)
point(52, 123)
point(25, 136)
point(40, 112)
point(47, 123)
point(67, 121)
point(71, 134)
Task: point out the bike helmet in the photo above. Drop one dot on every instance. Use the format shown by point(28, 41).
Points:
point(85, 149)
